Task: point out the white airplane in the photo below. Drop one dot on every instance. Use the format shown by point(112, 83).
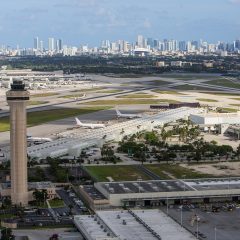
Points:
point(129, 116)
point(89, 125)
point(77, 98)
point(38, 139)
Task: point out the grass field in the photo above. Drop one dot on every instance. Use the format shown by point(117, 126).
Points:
point(88, 89)
point(37, 118)
point(137, 95)
point(237, 99)
point(186, 87)
point(158, 82)
point(72, 96)
point(56, 203)
point(49, 94)
point(235, 105)
point(129, 101)
point(221, 94)
point(206, 100)
point(167, 92)
point(110, 91)
point(176, 171)
point(33, 103)
point(7, 216)
point(224, 83)
point(227, 110)
point(118, 173)
point(187, 76)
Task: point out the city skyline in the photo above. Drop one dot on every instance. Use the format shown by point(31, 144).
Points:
point(89, 22)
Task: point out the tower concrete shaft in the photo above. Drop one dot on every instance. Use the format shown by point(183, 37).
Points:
point(17, 99)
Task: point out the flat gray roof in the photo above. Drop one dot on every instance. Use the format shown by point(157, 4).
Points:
point(150, 220)
point(170, 185)
point(93, 192)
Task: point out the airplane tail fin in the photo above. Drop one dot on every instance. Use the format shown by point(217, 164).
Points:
point(78, 122)
point(118, 112)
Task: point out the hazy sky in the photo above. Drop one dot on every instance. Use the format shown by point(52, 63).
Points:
point(90, 21)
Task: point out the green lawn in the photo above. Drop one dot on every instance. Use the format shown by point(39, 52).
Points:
point(110, 91)
point(235, 105)
point(187, 76)
point(221, 94)
point(56, 203)
point(37, 118)
point(33, 103)
point(49, 94)
point(117, 172)
point(158, 82)
point(88, 89)
point(226, 110)
point(6, 216)
point(175, 170)
point(237, 99)
point(186, 87)
point(224, 83)
point(137, 95)
point(206, 100)
point(72, 96)
point(167, 92)
point(129, 101)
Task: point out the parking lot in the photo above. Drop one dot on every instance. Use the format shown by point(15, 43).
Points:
point(220, 223)
point(70, 198)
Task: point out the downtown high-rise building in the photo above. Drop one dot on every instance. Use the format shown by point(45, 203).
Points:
point(140, 41)
point(36, 43)
point(51, 44)
point(41, 46)
point(59, 45)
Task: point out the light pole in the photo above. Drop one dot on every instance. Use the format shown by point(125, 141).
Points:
point(215, 233)
point(181, 216)
point(167, 205)
point(184, 185)
point(197, 227)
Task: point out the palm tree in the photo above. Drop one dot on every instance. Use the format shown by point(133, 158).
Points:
point(70, 208)
point(238, 152)
point(7, 234)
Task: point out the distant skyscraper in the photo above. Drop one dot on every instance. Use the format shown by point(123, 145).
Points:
point(41, 47)
point(182, 46)
point(140, 41)
point(150, 42)
point(195, 44)
point(36, 43)
point(189, 46)
point(51, 46)
point(155, 43)
point(237, 44)
point(59, 45)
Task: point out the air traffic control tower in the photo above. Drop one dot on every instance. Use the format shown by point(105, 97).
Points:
point(17, 99)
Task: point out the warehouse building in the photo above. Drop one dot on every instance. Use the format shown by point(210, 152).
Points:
point(129, 225)
point(158, 192)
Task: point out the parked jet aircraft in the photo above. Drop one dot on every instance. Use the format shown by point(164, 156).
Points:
point(89, 125)
point(126, 115)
